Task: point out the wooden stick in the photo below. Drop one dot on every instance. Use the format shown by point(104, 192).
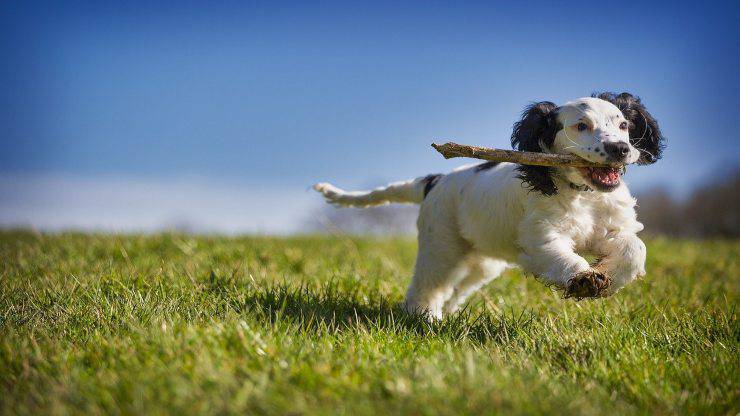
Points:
point(450, 150)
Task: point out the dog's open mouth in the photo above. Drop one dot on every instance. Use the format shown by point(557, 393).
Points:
point(604, 179)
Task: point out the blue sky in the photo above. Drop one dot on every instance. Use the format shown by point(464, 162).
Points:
point(121, 116)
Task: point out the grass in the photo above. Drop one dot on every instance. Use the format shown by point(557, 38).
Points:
point(169, 323)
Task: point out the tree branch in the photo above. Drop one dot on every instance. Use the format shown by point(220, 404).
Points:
point(450, 150)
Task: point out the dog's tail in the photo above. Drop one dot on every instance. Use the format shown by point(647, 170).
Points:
point(411, 192)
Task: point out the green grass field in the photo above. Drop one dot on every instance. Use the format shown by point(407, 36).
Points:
point(311, 325)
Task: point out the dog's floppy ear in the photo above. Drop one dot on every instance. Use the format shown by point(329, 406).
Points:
point(644, 131)
point(535, 132)
point(536, 128)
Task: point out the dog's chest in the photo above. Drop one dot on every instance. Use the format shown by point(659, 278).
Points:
point(580, 219)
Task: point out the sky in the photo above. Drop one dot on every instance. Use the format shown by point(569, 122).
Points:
point(134, 116)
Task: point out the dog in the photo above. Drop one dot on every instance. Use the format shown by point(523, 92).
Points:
point(480, 220)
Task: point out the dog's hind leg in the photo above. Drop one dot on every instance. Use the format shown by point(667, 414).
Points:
point(439, 265)
point(481, 271)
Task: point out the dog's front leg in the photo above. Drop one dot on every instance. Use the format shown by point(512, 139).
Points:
point(550, 255)
point(623, 258)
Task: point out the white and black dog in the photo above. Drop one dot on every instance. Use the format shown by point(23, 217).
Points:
point(479, 220)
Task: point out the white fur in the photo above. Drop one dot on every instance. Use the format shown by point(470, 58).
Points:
point(474, 224)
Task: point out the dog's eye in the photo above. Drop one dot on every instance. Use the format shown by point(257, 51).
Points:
point(582, 126)
point(623, 125)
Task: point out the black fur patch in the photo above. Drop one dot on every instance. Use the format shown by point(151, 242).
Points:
point(486, 166)
point(538, 178)
point(644, 131)
point(536, 129)
point(430, 181)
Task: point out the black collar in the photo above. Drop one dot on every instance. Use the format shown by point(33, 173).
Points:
point(582, 188)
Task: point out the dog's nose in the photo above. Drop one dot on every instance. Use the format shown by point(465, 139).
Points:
point(616, 150)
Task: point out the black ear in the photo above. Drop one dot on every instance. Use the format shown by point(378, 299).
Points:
point(644, 131)
point(535, 132)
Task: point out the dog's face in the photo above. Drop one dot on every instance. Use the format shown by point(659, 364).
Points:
point(597, 131)
point(610, 129)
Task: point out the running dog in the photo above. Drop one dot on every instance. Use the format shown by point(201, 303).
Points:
point(479, 220)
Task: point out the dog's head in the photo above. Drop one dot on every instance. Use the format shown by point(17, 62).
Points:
point(605, 128)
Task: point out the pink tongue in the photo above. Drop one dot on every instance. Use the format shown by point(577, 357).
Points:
point(606, 174)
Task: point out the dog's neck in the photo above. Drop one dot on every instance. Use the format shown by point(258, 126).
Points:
point(562, 177)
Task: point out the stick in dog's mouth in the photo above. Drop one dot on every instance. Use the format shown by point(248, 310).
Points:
point(602, 172)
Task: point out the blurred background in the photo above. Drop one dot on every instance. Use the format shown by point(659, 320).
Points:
point(218, 116)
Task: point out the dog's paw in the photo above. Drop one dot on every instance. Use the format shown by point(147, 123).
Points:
point(587, 284)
